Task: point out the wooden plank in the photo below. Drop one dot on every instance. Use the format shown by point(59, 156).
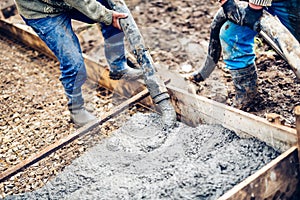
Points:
point(66, 140)
point(276, 180)
point(26, 35)
point(192, 109)
point(199, 109)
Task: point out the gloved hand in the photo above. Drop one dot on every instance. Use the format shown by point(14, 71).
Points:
point(195, 77)
point(251, 18)
point(232, 11)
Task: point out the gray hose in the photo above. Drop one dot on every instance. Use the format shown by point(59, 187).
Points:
point(214, 48)
point(155, 85)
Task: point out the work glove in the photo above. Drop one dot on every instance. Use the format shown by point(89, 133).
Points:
point(251, 18)
point(231, 11)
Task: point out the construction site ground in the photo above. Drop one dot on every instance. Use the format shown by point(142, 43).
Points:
point(177, 33)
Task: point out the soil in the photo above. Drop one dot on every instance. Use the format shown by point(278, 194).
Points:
point(177, 34)
point(139, 161)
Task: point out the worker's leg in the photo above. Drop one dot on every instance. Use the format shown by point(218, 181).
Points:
point(57, 33)
point(288, 13)
point(238, 54)
point(113, 47)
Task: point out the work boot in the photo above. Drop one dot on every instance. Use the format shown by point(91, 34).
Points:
point(81, 116)
point(245, 83)
point(128, 74)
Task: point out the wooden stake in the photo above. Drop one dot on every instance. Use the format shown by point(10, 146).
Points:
point(297, 113)
point(64, 141)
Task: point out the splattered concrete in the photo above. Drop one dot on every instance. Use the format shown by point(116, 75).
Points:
point(139, 161)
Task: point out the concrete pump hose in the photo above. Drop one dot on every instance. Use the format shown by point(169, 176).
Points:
point(214, 47)
point(285, 41)
point(156, 86)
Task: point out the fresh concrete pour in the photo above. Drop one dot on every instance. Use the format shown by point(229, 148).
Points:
point(139, 161)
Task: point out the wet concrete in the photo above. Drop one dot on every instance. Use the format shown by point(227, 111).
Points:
point(139, 161)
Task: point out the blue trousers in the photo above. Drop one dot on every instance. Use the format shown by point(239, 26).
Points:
point(59, 36)
point(238, 41)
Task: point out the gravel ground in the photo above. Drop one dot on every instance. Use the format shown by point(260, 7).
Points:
point(34, 115)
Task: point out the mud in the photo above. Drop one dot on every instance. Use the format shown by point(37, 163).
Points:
point(139, 161)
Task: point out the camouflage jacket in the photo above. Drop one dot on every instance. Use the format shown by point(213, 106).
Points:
point(34, 9)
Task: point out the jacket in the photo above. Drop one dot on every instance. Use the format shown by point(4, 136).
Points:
point(34, 9)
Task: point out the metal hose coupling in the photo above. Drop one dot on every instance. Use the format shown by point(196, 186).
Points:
point(161, 98)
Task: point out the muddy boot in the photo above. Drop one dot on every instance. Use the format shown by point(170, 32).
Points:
point(129, 74)
point(81, 116)
point(245, 83)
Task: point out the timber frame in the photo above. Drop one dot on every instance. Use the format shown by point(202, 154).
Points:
point(279, 179)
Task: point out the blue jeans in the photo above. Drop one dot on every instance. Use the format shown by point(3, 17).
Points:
point(238, 41)
point(59, 36)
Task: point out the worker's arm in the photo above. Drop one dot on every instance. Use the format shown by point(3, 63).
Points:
point(253, 13)
point(97, 12)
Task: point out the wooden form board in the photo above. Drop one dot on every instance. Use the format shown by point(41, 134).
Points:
point(197, 108)
point(194, 109)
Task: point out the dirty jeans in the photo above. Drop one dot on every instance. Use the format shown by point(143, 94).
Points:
point(59, 36)
point(238, 41)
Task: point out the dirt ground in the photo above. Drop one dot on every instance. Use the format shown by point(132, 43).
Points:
point(177, 34)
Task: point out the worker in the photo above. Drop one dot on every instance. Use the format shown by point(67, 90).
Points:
point(51, 20)
point(237, 39)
